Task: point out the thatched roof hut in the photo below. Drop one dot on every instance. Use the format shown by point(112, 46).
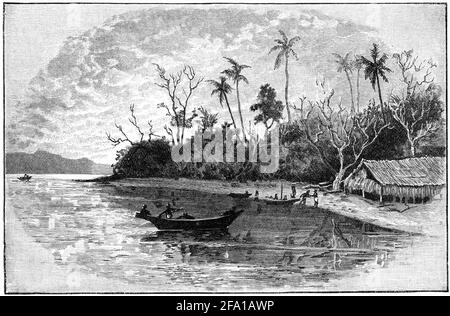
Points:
point(418, 179)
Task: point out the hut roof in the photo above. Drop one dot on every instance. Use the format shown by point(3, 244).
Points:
point(408, 172)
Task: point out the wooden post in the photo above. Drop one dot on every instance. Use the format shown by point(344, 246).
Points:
point(281, 197)
point(381, 195)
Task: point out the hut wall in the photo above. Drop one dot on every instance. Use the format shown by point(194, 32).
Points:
point(359, 183)
point(362, 184)
point(412, 192)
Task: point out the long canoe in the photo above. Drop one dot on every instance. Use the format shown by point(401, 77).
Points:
point(240, 195)
point(280, 202)
point(219, 222)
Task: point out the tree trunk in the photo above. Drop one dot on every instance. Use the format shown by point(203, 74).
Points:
point(351, 92)
point(239, 109)
point(184, 126)
point(379, 96)
point(357, 91)
point(340, 175)
point(286, 88)
point(337, 180)
point(412, 148)
point(229, 110)
point(178, 133)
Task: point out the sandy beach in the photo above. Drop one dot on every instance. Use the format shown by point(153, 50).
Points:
point(428, 219)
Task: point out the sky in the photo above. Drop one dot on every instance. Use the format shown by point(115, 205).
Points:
point(49, 104)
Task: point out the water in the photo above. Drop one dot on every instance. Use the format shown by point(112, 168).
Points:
point(92, 227)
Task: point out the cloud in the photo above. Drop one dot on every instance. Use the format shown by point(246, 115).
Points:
point(96, 75)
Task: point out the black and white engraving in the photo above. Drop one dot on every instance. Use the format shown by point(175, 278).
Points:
point(229, 148)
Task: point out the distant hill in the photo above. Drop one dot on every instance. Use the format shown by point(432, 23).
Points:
point(45, 162)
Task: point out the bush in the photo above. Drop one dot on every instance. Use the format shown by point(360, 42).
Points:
point(146, 159)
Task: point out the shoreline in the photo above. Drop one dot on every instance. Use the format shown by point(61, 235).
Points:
point(427, 219)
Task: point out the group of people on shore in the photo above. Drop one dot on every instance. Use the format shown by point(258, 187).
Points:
point(308, 194)
point(293, 194)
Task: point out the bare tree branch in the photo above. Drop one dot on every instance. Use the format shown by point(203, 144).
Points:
point(125, 139)
point(342, 130)
point(413, 111)
point(410, 70)
point(177, 110)
point(133, 121)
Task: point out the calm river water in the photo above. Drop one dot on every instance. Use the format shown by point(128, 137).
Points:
point(92, 226)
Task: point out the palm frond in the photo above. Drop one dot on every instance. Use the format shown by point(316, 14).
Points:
point(275, 48)
point(214, 83)
point(285, 38)
point(214, 91)
point(243, 78)
point(384, 68)
point(357, 63)
point(340, 61)
point(366, 62)
point(373, 82)
point(347, 57)
point(278, 60)
point(382, 59)
point(230, 73)
point(374, 52)
point(231, 61)
point(339, 58)
point(293, 53)
point(293, 40)
point(221, 98)
point(372, 77)
point(383, 75)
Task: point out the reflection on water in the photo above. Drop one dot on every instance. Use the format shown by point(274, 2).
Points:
point(93, 227)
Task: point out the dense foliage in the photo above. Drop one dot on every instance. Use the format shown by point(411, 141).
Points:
point(322, 140)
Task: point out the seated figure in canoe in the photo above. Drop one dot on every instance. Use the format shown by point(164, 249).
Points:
point(165, 220)
point(186, 216)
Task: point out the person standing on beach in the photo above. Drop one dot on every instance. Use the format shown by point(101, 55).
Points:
point(293, 191)
point(304, 196)
point(316, 198)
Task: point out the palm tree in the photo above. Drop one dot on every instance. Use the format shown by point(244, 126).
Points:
point(374, 69)
point(284, 46)
point(234, 73)
point(207, 119)
point(222, 88)
point(357, 64)
point(345, 65)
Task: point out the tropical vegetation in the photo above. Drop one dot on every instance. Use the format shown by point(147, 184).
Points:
point(321, 139)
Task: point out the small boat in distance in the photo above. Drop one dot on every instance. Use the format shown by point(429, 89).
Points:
point(188, 222)
point(25, 177)
point(240, 195)
point(272, 201)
